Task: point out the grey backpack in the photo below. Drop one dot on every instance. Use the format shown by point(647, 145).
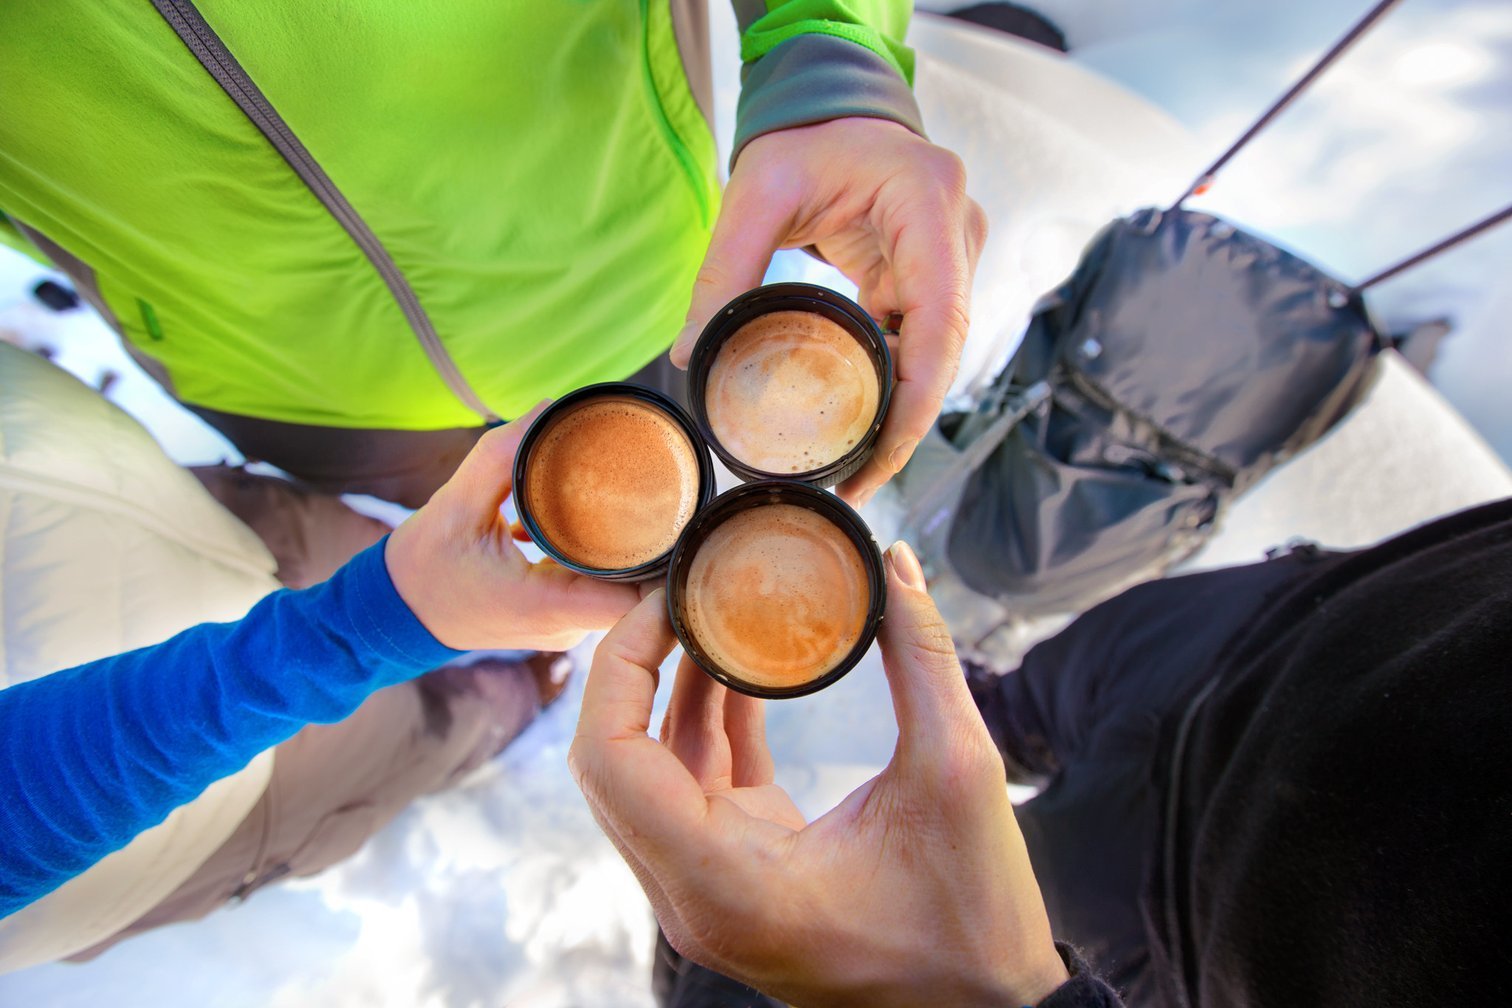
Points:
point(1181, 361)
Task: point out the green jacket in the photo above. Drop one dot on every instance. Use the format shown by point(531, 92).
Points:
point(393, 214)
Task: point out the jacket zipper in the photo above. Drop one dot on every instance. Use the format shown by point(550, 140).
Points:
point(185, 19)
point(679, 147)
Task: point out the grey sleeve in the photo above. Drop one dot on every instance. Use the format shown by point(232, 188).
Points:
point(814, 78)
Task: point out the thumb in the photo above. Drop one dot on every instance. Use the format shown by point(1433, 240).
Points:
point(622, 682)
point(752, 224)
point(486, 476)
point(929, 691)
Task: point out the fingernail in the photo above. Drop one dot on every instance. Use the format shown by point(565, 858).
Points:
point(683, 345)
point(900, 455)
point(906, 565)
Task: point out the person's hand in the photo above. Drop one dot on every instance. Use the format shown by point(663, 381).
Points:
point(456, 566)
point(890, 211)
point(915, 890)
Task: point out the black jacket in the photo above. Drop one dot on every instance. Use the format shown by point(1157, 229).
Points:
point(1285, 784)
point(1341, 793)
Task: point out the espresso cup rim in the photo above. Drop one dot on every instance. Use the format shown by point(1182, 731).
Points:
point(754, 494)
point(706, 478)
point(790, 296)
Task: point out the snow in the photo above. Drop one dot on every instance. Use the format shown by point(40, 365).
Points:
point(503, 891)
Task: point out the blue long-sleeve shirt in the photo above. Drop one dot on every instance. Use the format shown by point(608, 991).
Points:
point(93, 755)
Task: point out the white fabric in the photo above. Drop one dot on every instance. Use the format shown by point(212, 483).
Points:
point(108, 546)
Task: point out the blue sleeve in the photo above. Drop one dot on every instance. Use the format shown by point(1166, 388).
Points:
point(94, 755)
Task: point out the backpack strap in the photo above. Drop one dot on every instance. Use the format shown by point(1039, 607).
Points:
point(1419, 258)
point(1350, 38)
point(938, 502)
point(1203, 181)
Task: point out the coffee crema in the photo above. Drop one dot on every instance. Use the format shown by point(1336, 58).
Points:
point(790, 392)
point(776, 595)
point(612, 482)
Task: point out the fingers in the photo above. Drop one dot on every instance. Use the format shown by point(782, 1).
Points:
point(937, 238)
point(930, 343)
point(745, 726)
point(929, 692)
point(635, 785)
point(648, 804)
point(486, 476)
point(717, 733)
point(622, 683)
point(591, 604)
point(863, 486)
point(929, 352)
point(752, 224)
point(694, 730)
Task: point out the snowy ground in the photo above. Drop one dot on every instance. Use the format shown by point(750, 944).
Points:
point(503, 892)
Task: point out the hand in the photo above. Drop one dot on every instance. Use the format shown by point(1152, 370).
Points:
point(915, 890)
point(456, 566)
point(890, 211)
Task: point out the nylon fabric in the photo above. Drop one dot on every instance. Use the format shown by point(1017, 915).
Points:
point(879, 25)
point(1183, 360)
point(11, 237)
point(431, 133)
point(540, 174)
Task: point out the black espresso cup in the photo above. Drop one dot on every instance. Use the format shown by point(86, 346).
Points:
point(776, 589)
point(607, 478)
point(791, 381)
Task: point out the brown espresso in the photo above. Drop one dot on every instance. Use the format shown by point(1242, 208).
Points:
point(777, 595)
point(612, 482)
point(791, 392)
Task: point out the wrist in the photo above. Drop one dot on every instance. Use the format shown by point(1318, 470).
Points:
point(1027, 984)
point(381, 615)
point(1010, 981)
point(814, 79)
point(402, 558)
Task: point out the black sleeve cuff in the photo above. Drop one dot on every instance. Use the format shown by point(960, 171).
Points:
point(815, 78)
point(1084, 990)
